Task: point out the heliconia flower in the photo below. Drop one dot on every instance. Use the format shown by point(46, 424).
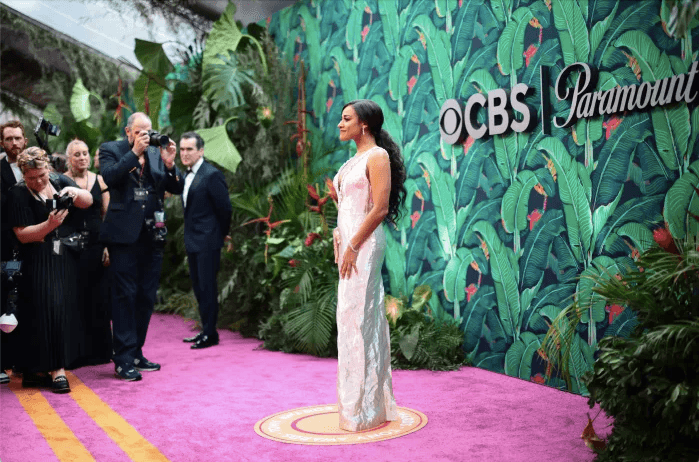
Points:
point(540, 189)
point(614, 311)
point(293, 263)
point(299, 148)
point(365, 31)
point(367, 9)
point(312, 192)
point(468, 143)
point(328, 104)
point(534, 22)
point(426, 174)
point(611, 125)
point(323, 200)
point(296, 58)
point(475, 266)
point(311, 238)
point(414, 218)
point(331, 189)
point(533, 218)
point(538, 378)
point(422, 40)
point(531, 51)
point(411, 84)
point(664, 239)
point(303, 24)
point(471, 291)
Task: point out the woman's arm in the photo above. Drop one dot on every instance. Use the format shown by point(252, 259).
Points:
point(379, 174)
point(105, 196)
point(82, 198)
point(37, 233)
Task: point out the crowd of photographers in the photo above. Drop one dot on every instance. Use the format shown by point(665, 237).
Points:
point(76, 244)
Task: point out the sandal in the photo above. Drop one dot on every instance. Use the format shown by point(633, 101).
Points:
point(60, 385)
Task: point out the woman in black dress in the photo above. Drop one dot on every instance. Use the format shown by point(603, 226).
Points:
point(49, 330)
point(93, 296)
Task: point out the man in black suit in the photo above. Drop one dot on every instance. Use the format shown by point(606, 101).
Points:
point(13, 142)
point(137, 176)
point(207, 218)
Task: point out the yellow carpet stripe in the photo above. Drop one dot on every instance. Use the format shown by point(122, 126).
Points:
point(119, 430)
point(60, 438)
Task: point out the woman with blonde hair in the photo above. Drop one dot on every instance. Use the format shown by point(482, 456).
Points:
point(93, 290)
point(49, 330)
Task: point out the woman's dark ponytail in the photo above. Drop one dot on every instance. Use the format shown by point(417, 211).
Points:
point(370, 113)
point(398, 191)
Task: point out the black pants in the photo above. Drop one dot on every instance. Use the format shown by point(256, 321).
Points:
point(203, 267)
point(135, 275)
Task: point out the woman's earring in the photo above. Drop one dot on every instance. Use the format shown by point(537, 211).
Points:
point(362, 131)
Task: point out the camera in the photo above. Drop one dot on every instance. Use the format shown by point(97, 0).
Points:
point(10, 274)
point(59, 202)
point(157, 231)
point(49, 129)
point(158, 140)
point(77, 241)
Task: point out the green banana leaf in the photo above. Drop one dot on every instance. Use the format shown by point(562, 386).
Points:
point(481, 58)
point(502, 9)
point(455, 276)
point(415, 252)
point(518, 359)
point(637, 16)
point(391, 34)
point(320, 99)
point(572, 30)
point(640, 235)
point(504, 273)
point(442, 189)
point(224, 37)
point(534, 259)
point(395, 265)
point(681, 200)
point(464, 28)
point(348, 74)
point(572, 194)
point(438, 56)
point(487, 210)
point(353, 30)
point(515, 202)
point(312, 40)
point(474, 316)
point(554, 294)
point(644, 210)
point(600, 28)
point(510, 51)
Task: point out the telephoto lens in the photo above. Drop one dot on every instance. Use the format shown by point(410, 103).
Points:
point(156, 139)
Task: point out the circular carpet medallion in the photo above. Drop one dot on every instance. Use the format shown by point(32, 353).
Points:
point(319, 425)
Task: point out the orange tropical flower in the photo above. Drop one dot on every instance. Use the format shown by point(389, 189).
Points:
point(365, 31)
point(471, 291)
point(414, 218)
point(531, 51)
point(533, 218)
point(614, 311)
point(611, 125)
point(411, 84)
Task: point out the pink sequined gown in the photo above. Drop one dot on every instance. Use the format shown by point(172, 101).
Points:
point(364, 385)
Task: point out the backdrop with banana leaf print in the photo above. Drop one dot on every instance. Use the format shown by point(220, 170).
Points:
point(503, 227)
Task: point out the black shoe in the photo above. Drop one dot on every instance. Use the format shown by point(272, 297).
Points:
point(128, 373)
point(194, 338)
point(205, 342)
point(142, 364)
point(34, 380)
point(60, 385)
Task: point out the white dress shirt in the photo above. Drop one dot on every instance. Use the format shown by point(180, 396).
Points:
point(189, 178)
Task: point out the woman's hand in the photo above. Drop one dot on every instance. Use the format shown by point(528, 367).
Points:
point(349, 262)
point(105, 257)
point(56, 218)
point(70, 191)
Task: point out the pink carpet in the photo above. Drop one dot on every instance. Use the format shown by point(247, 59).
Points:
point(203, 405)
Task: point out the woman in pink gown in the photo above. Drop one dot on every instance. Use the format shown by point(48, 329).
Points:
point(370, 191)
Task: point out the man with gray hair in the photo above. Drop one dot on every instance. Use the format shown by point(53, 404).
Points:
point(137, 176)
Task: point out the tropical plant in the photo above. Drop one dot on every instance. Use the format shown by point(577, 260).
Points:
point(648, 381)
point(418, 341)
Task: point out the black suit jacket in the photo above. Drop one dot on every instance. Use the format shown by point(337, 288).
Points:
point(207, 213)
point(125, 216)
point(7, 180)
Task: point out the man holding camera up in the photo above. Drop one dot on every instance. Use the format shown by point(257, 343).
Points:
point(133, 229)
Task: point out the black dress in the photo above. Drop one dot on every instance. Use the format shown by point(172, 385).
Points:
point(93, 287)
point(49, 330)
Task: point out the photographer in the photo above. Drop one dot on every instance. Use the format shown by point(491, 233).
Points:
point(49, 331)
point(137, 176)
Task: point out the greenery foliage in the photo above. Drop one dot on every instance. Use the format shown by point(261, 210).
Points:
point(648, 382)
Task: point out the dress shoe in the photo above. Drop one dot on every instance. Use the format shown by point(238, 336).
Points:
point(205, 342)
point(193, 338)
point(142, 364)
point(60, 385)
point(127, 372)
point(4, 378)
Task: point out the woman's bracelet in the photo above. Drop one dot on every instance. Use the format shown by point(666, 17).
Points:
point(352, 247)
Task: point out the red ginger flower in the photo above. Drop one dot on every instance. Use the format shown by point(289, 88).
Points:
point(664, 239)
point(310, 238)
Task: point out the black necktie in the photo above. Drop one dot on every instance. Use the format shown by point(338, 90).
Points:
point(189, 170)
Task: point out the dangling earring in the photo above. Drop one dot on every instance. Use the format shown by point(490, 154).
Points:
point(362, 131)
